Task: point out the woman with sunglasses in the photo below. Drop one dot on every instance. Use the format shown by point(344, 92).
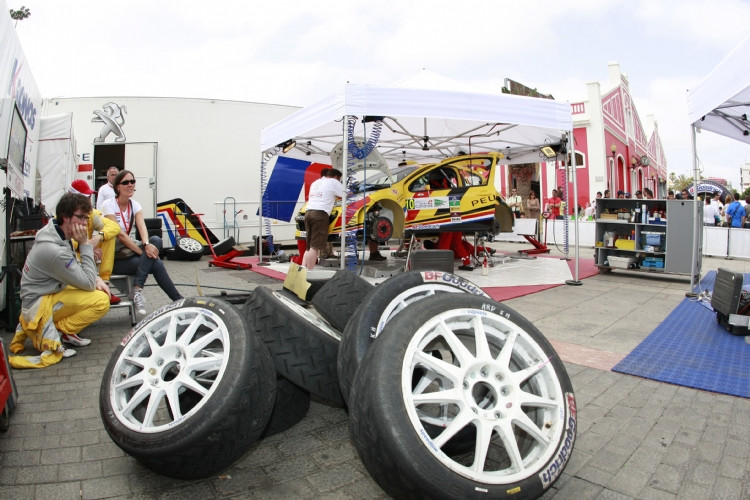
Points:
point(142, 260)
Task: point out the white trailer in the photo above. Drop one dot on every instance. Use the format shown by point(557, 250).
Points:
point(203, 151)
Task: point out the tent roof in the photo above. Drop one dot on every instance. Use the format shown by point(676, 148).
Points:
point(441, 117)
point(720, 101)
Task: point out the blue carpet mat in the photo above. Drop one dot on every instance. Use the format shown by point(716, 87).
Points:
point(689, 348)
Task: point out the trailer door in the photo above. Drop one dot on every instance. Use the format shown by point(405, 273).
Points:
point(139, 158)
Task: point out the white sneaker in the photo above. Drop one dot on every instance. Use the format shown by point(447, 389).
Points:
point(139, 302)
point(67, 353)
point(73, 339)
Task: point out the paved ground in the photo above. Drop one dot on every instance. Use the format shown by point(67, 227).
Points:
point(636, 439)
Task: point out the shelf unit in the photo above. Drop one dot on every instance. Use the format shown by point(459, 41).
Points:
point(673, 233)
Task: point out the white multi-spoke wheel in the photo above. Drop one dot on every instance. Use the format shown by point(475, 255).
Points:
point(189, 389)
point(454, 364)
point(383, 303)
point(187, 249)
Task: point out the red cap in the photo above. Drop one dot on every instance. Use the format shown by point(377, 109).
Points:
point(80, 186)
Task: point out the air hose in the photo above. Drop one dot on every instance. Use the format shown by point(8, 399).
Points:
point(355, 152)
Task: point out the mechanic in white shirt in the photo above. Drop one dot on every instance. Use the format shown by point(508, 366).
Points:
point(107, 191)
point(323, 194)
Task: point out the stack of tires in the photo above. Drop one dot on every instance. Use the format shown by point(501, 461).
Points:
point(450, 394)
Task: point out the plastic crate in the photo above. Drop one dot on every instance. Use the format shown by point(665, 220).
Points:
point(653, 262)
point(621, 262)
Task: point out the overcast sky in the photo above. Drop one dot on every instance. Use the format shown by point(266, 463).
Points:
point(293, 52)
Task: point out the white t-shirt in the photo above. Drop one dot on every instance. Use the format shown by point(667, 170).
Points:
point(106, 192)
point(323, 193)
point(710, 212)
point(124, 217)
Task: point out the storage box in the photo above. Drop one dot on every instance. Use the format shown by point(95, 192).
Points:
point(625, 244)
point(621, 262)
point(655, 262)
point(655, 240)
point(608, 216)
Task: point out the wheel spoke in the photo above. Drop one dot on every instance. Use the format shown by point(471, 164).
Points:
point(524, 422)
point(187, 336)
point(505, 431)
point(197, 346)
point(460, 352)
point(482, 446)
point(464, 418)
point(447, 396)
point(446, 370)
point(480, 339)
point(507, 351)
point(153, 406)
point(525, 374)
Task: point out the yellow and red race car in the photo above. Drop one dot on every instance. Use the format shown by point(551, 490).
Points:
point(457, 194)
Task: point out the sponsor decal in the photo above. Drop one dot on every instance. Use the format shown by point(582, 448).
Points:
point(427, 203)
point(17, 90)
point(458, 281)
point(556, 466)
point(425, 226)
point(112, 119)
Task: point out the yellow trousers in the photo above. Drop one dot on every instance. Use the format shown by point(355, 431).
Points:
point(68, 311)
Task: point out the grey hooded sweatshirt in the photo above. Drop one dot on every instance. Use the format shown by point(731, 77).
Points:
point(52, 265)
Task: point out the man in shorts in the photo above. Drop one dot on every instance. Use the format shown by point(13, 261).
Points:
point(323, 194)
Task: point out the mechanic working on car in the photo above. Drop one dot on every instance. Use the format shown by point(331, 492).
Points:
point(323, 194)
point(60, 295)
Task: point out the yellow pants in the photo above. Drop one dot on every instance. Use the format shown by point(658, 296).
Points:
point(68, 311)
point(108, 258)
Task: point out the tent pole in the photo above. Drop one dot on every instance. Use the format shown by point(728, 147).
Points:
point(344, 177)
point(575, 280)
point(696, 229)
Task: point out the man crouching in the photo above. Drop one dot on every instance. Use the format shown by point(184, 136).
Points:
point(60, 295)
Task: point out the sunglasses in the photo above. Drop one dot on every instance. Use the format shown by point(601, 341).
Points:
point(125, 183)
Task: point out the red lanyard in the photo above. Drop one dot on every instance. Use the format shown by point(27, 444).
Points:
point(126, 221)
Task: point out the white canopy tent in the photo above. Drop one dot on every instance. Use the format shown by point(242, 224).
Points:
point(427, 118)
point(56, 160)
point(720, 103)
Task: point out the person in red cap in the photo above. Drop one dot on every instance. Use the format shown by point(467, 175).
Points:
point(106, 228)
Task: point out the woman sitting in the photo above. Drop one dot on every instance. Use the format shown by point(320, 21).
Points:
point(130, 258)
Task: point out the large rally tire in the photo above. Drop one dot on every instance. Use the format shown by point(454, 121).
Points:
point(291, 406)
point(224, 246)
point(187, 248)
point(304, 347)
point(496, 374)
point(189, 389)
point(382, 304)
point(340, 296)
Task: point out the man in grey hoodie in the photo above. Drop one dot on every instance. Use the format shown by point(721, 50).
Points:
point(60, 295)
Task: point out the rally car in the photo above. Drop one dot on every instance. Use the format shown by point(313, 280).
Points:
point(456, 194)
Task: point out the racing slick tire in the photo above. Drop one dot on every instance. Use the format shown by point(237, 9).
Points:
point(187, 248)
point(382, 304)
point(497, 373)
point(291, 406)
point(224, 246)
point(189, 389)
point(303, 346)
point(340, 296)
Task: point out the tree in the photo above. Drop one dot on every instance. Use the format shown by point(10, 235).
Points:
point(679, 182)
point(20, 14)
